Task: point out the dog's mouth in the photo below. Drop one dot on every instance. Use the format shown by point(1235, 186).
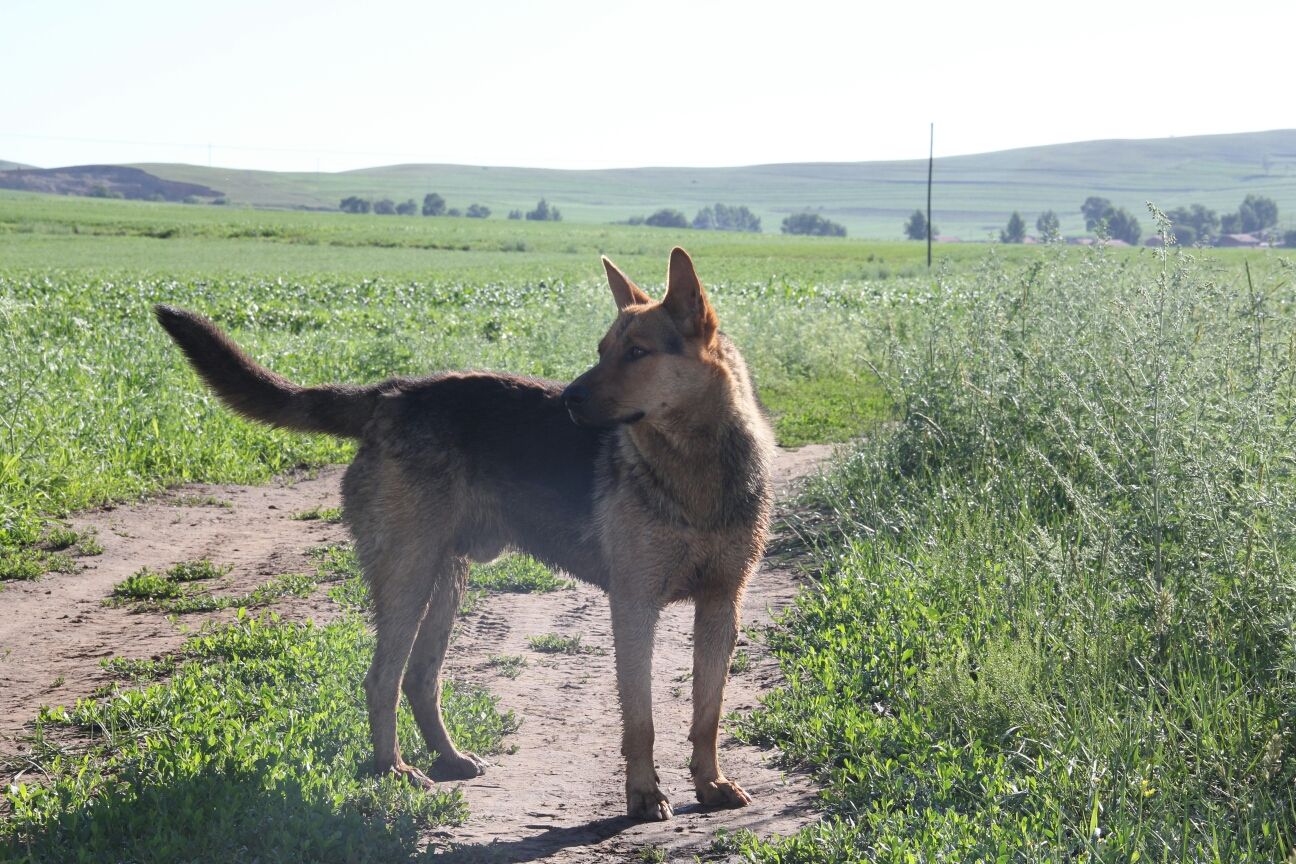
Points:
point(582, 420)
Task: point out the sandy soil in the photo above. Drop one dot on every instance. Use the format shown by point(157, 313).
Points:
point(557, 797)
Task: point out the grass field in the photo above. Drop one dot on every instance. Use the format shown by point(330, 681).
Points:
point(974, 194)
point(1052, 599)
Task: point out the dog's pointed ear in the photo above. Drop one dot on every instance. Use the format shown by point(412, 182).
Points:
point(624, 291)
point(685, 301)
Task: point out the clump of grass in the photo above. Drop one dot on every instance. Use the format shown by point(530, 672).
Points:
point(59, 538)
point(508, 665)
point(21, 564)
point(192, 571)
point(1074, 548)
point(553, 643)
point(740, 662)
point(146, 585)
point(88, 543)
point(141, 670)
point(332, 515)
point(282, 764)
point(192, 500)
point(520, 574)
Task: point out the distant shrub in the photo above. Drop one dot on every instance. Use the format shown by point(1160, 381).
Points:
point(433, 205)
point(667, 218)
point(722, 217)
point(454, 211)
point(478, 211)
point(219, 202)
point(813, 224)
point(1289, 239)
point(354, 204)
point(1049, 227)
point(1015, 232)
point(916, 227)
point(515, 214)
point(544, 213)
point(384, 207)
point(407, 208)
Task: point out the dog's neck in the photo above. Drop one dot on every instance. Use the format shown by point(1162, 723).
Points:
point(719, 462)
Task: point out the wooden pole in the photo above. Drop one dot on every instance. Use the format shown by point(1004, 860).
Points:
point(931, 150)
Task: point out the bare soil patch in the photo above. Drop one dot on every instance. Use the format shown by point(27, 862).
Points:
point(557, 797)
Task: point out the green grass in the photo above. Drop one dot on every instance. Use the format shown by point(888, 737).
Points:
point(516, 574)
point(554, 643)
point(107, 409)
point(1052, 617)
point(253, 747)
point(973, 194)
point(332, 515)
point(508, 665)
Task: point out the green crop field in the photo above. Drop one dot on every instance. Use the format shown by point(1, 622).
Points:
point(973, 194)
point(1052, 583)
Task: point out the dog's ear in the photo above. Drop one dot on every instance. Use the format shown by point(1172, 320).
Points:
point(624, 291)
point(685, 301)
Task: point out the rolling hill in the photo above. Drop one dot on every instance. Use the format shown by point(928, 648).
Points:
point(973, 194)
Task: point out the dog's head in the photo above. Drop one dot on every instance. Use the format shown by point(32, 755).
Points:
point(657, 358)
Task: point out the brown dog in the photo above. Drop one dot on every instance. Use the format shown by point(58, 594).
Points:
point(658, 491)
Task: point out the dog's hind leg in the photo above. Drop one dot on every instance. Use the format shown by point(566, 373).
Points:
point(715, 631)
point(422, 682)
point(400, 589)
point(633, 625)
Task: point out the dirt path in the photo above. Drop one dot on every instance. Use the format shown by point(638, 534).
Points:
point(558, 797)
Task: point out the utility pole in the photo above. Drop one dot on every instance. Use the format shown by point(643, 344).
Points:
point(931, 151)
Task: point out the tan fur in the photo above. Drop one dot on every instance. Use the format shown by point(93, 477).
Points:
point(658, 492)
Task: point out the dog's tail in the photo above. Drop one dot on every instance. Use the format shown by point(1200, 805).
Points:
point(256, 392)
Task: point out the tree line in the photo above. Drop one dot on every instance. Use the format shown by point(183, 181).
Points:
point(1193, 225)
point(721, 217)
point(435, 205)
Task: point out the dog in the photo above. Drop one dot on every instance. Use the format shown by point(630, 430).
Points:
point(648, 476)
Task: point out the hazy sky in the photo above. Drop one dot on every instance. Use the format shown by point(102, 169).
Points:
point(330, 86)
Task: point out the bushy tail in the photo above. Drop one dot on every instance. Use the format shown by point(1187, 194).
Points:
point(256, 392)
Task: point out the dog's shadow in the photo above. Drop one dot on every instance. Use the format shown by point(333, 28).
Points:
point(548, 840)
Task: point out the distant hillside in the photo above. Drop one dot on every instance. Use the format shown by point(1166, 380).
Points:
point(973, 194)
point(104, 181)
point(6, 165)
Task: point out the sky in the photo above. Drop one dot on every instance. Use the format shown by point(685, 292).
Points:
point(331, 86)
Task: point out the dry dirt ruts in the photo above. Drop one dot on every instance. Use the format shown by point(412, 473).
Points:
point(557, 797)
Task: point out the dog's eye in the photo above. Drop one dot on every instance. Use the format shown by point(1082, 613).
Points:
point(635, 353)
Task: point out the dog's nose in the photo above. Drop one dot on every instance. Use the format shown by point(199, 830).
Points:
point(576, 394)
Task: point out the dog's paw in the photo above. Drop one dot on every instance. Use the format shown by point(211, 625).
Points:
point(648, 805)
point(721, 793)
point(458, 766)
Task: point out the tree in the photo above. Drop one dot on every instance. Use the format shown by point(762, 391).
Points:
point(478, 211)
point(723, 217)
point(354, 204)
point(1230, 223)
point(1048, 226)
point(1095, 209)
point(544, 213)
point(916, 227)
point(1016, 230)
point(1258, 213)
point(407, 208)
point(433, 205)
point(385, 207)
point(515, 214)
point(1289, 239)
point(1121, 225)
point(454, 211)
point(667, 218)
point(812, 223)
point(1194, 224)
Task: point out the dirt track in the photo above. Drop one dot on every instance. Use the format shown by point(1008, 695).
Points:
point(557, 798)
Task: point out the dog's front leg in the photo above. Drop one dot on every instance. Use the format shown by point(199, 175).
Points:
point(634, 622)
point(715, 631)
